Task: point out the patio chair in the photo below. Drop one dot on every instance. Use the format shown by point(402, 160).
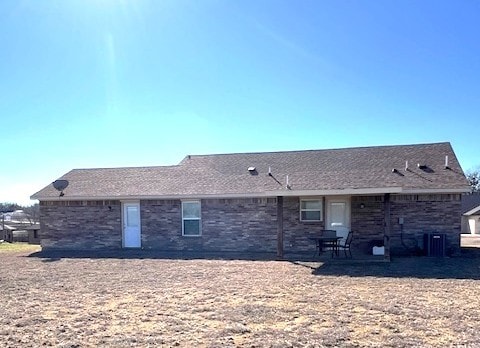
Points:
point(346, 245)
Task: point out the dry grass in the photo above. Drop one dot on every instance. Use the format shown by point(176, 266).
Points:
point(115, 302)
point(18, 247)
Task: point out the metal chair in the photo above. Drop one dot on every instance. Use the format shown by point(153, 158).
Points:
point(346, 246)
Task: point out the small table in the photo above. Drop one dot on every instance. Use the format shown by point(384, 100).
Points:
point(324, 241)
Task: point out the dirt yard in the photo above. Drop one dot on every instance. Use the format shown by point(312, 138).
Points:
point(155, 302)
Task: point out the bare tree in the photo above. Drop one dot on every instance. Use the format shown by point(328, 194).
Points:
point(8, 207)
point(473, 177)
point(32, 213)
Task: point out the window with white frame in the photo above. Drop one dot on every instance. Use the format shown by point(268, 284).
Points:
point(191, 219)
point(311, 210)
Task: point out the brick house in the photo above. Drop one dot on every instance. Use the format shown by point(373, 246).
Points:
point(261, 202)
point(471, 213)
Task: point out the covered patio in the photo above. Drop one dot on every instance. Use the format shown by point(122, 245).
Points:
point(348, 223)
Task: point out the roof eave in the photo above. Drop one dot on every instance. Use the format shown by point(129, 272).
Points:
point(335, 192)
point(226, 195)
point(142, 197)
point(265, 194)
point(472, 211)
point(433, 191)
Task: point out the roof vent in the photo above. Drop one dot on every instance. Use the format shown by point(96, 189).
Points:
point(421, 166)
point(396, 171)
point(252, 170)
point(446, 162)
point(425, 168)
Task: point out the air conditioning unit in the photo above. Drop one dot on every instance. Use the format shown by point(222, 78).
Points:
point(434, 244)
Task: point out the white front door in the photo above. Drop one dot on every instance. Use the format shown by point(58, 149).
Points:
point(131, 225)
point(338, 215)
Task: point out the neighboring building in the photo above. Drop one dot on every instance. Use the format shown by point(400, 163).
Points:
point(14, 225)
point(33, 234)
point(261, 202)
point(6, 216)
point(6, 233)
point(471, 213)
point(15, 217)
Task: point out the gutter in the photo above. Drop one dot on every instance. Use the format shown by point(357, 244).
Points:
point(265, 194)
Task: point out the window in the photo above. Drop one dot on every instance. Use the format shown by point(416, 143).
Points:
point(311, 210)
point(191, 221)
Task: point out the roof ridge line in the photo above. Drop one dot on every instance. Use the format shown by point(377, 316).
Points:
point(129, 167)
point(315, 150)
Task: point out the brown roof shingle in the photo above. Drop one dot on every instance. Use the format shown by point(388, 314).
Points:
point(312, 170)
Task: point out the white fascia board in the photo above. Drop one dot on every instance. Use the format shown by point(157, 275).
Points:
point(144, 197)
point(266, 194)
point(427, 191)
point(230, 195)
point(472, 211)
point(359, 191)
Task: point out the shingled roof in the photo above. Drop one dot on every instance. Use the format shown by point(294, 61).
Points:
point(362, 170)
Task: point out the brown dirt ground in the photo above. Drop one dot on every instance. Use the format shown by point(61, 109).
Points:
point(153, 302)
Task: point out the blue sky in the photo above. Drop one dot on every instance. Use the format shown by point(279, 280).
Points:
point(105, 83)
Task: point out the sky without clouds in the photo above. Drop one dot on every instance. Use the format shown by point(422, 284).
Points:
point(108, 83)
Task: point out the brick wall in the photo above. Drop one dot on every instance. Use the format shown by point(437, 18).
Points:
point(227, 225)
point(367, 221)
point(240, 224)
point(247, 224)
point(162, 225)
point(426, 214)
point(296, 232)
point(421, 214)
point(80, 225)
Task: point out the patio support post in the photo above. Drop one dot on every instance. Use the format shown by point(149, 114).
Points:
point(280, 227)
point(388, 225)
